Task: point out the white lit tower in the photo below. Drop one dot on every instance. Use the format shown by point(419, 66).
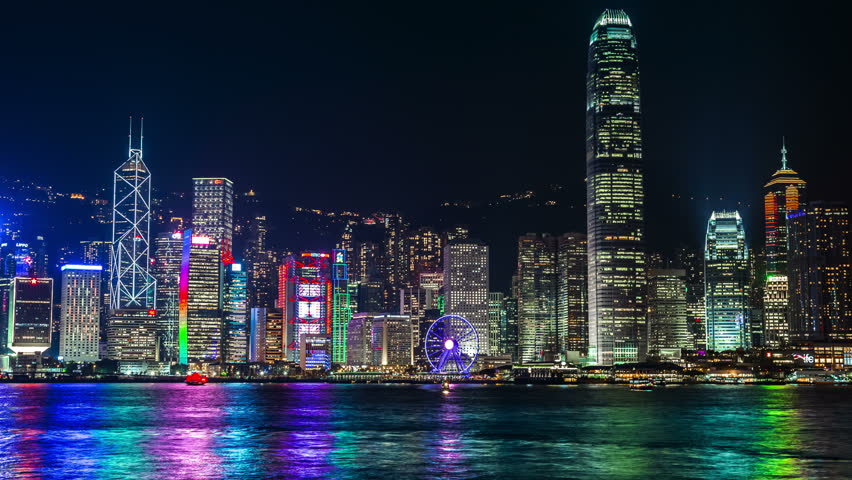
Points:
point(131, 284)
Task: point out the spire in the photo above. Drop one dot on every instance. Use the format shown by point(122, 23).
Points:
point(130, 136)
point(783, 154)
point(141, 134)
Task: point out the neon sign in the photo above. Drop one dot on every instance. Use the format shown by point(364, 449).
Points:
point(805, 357)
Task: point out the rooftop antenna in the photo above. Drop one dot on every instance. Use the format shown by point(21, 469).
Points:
point(783, 153)
point(130, 136)
point(141, 134)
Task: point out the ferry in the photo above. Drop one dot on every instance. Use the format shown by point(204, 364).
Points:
point(641, 384)
point(445, 387)
point(818, 377)
point(196, 378)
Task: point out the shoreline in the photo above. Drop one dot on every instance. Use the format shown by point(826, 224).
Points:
point(288, 380)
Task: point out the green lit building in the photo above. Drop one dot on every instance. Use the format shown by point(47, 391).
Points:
point(615, 194)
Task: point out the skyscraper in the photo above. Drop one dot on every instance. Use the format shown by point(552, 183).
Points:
point(423, 252)
point(572, 326)
point(81, 313)
point(131, 284)
point(820, 272)
point(235, 315)
point(667, 321)
point(256, 344)
point(391, 340)
point(306, 298)
point(466, 285)
point(785, 192)
point(200, 307)
point(30, 315)
point(168, 254)
point(213, 211)
point(727, 279)
point(537, 281)
point(341, 310)
point(615, 194)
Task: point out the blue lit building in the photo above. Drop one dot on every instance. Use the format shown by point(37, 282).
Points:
point(726, 275)
point(235, 341)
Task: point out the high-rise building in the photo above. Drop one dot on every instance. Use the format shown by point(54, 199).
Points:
point(256, 343)
point(30, 315)
point(667, 320)
point(785, 192)
point(132, 335)
point(168, 255)
point(341, 306)
point(509, 331)
point(200, 307)
point(391, 340)
point(276, 346)
point(775, 320)
point(423, 251)
point(692, 261)
point(306, 298)
point(235, 318)
point(615, 194)
point(359, 343)
point(466, 285)
point(572, 326)
point(213, 211)
point(727, 280)
point(820, 272)
point(537, 291)
point(496, 320)
point(80, 313)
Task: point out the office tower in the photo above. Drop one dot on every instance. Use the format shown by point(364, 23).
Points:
point(276, 348)
point(16, 259)
point(30, 315)
point(256, 343)
point(95, 252)
point(727, 279)
point(692, 261)
point(667, 320)
point(213, 211)
point(785, 193)
point(132, 335)
point(572, 267)
point(81, 313)
point(396, 258)
point(168, 255)
point(496, 320)
point(775, 320)
point(5, 303)
point(537, 286)
point(423, 247)
point(391, 340)
point(819, 272)
point(359, 343)
point(261, 263)
point(341, 306)
point(131, 284)
point(615, 194)
point(200, 300)
point(235, 324)
point(306, 298)
point(415, 301)
point(466, 286)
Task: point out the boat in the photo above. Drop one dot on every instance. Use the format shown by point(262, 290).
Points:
point(445, 387)
point(196, 378)
point(641, 384)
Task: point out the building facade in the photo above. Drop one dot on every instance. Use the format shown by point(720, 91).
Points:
point(466, 285)
point(80, 313)
point(200, 300)
point(615, 194)
point(667, 319)
point(775, 319)
point(30, 315)
point(727, 281)
point(785, 192)
point(213, 211)
point(537, 291)
point(572, 325)
point(235, 315)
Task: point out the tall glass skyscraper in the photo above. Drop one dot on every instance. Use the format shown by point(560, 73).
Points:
point(615, 194)
point(727, 279)
point(785, 193)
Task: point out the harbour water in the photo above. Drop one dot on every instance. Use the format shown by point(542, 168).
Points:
point(174, 431)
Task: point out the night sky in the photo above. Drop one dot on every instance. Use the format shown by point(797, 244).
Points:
point(401, 105)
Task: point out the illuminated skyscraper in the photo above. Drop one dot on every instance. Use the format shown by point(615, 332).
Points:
point(496, 320)
point(200, 307)
point(341, 310)
point(213, 211)
point(236, 315)
point(667, 321)
point(785, 192)
point(257, 335)
point(423, 248)
point(727, 280)
point(81, 313)
point(30, 315)
point(168, 254)
point(536, 293)
point(615, 194)
point(466, 285)
point(572, 325)
point(131, 284)
point(391, 340)
point(306, 298)
point(775, 319)
point(820, 272)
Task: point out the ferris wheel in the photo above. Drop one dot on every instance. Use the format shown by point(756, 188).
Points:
point(451, 345)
